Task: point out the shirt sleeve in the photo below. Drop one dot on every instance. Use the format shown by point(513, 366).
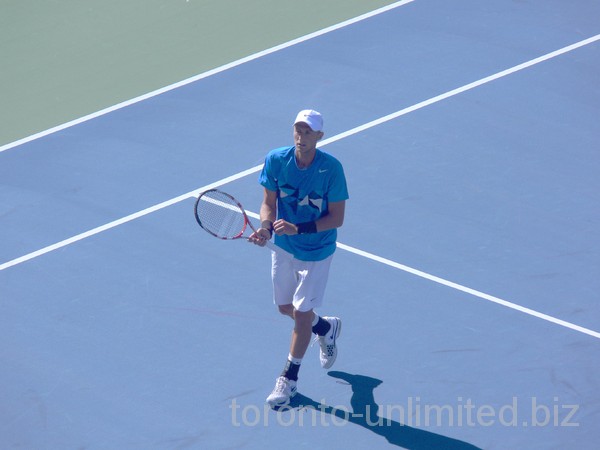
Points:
point(338, 188)
point(266, 177)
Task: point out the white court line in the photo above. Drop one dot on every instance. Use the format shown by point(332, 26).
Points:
point(469, 86)
point(470, 291)
point(345, 247)
point(207, 74)
point(129, 218)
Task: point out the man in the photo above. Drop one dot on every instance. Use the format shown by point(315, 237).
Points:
point(304, 202)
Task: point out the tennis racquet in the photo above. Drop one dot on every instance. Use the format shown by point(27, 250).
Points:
point(222, 216)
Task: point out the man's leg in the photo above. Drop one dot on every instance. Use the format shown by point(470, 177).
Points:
point(285, 387)
point(326, 328)
point(302, 283)
point(301, 336)
point(302, 333)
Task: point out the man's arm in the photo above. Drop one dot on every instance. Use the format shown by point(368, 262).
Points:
point(268, 213)
point(268, 210)
point(333, 219)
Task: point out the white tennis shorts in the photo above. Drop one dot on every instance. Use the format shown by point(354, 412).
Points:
point(300, 283)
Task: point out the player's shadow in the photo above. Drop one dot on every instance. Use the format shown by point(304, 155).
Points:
point(365, 414)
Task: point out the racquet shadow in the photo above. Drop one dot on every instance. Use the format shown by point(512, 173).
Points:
point(365, 414)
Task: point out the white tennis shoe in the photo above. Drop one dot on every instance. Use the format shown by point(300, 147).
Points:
point(284, 390)
point(327, 343)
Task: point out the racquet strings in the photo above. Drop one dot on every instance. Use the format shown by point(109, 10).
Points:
point(220, 215)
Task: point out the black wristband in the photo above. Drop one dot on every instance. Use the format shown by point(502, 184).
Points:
point(267, 225)
point(307, 227)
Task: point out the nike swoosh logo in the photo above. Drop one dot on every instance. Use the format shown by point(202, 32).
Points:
point(323, 170)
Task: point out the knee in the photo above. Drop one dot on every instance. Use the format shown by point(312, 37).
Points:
point(287, 310)
point(303, 319)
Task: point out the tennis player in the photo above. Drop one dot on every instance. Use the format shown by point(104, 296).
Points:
point(304, 202)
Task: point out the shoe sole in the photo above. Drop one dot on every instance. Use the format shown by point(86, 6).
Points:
point(287, 402)
point(336, 335)
point(338, 331)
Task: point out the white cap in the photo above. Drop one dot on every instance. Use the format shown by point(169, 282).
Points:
point(311, 118)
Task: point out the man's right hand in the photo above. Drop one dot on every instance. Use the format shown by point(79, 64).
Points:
point(260, 237)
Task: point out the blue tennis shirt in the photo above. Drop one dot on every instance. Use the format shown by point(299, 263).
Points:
point(304, 195)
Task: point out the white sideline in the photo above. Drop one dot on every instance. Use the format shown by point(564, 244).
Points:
point(470, 291)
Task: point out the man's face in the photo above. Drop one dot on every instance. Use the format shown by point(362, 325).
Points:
point(305, 138)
